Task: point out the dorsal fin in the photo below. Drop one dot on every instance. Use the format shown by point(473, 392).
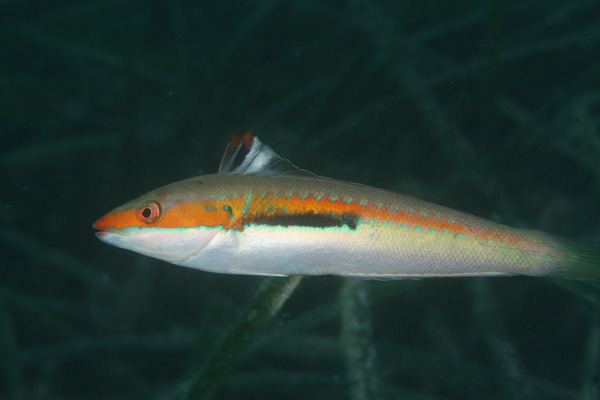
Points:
point(246, 155)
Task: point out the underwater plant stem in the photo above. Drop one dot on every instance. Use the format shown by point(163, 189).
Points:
point(269, 298)
point(357, 341)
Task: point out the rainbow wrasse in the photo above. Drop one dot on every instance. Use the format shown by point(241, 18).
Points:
point(261, 215)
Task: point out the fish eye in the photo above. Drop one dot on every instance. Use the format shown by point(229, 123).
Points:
point(149, 212)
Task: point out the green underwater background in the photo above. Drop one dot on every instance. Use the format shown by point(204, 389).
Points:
point(488, 107)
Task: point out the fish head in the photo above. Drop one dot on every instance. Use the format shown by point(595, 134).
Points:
point(171, 223)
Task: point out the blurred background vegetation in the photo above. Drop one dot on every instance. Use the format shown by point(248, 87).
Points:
point(485, 106)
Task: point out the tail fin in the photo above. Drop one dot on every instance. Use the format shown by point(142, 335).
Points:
point(582, 259)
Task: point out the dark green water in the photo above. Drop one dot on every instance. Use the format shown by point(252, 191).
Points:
point(489, 107)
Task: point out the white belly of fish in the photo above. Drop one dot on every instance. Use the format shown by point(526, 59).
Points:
point(368, 251)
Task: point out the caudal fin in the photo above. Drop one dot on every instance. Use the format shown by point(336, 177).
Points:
point(582, 259)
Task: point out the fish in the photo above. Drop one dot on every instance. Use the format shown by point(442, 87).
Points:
point(262, 215)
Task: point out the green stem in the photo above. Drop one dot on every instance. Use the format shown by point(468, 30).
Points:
point(357, 339)
point(269, 298)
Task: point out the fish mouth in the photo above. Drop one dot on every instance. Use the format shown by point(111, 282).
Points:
point(103, 229)
point(103, 234)
point(100, 224)
point(106, 233)
point(110, 236)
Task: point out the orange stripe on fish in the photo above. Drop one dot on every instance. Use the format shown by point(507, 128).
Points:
point(181, 215)
point(270, 209)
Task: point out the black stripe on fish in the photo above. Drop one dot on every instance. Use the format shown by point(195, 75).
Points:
point(309, 219)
